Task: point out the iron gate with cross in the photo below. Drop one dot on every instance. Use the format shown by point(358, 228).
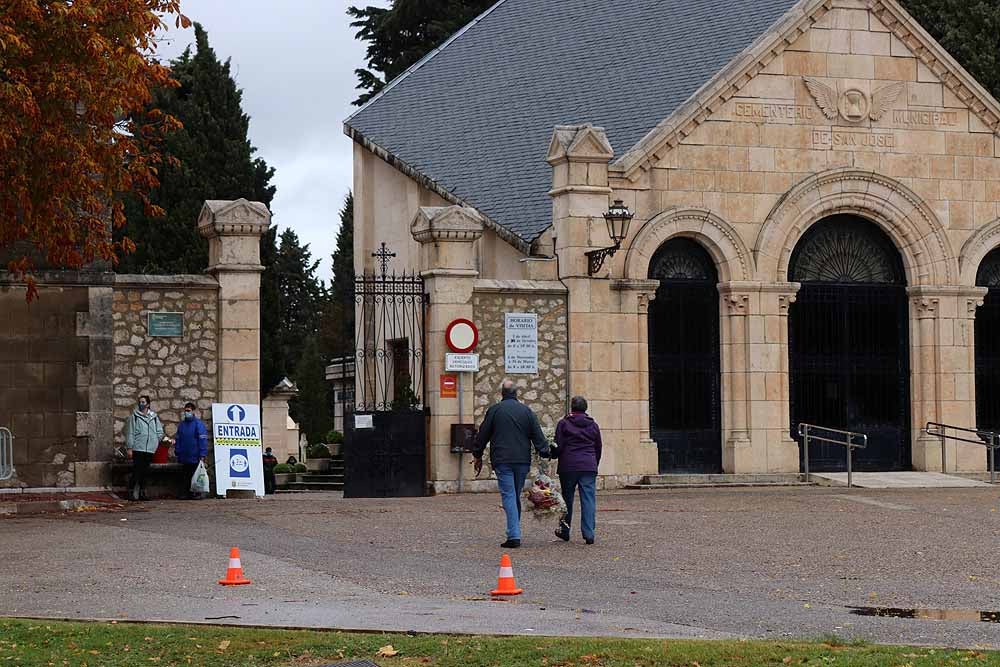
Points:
point(385, 426)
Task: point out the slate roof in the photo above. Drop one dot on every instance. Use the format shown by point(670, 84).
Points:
point(476, 116)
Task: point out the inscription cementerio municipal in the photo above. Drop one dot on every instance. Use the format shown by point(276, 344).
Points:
point(757, 111)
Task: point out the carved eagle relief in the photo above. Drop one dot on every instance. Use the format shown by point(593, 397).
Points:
point(853, 105)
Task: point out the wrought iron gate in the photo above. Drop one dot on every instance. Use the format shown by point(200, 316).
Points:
point(385, 427)
point(6, 454)
point(848, 343)
point(988, 346)
point(684, 367)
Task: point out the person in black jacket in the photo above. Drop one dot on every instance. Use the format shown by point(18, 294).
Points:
point(511, 428)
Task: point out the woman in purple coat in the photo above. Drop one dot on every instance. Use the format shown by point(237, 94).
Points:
point(578, 440)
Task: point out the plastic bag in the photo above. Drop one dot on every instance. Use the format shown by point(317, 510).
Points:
point(199, 481)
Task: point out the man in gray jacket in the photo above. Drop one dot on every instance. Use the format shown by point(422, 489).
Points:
point(143, 432)
point(511, 428)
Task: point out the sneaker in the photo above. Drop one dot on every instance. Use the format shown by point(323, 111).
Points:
point(511, 544)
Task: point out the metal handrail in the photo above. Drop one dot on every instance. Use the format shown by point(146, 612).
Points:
point(848, 441)
point(988, 439)
point(6, 453)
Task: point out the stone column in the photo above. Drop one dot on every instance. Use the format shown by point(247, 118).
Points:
point(233, 230)
point(607, 319)
point(755, 378)
point(447, 263)
point(943, 360)
point(274, 419)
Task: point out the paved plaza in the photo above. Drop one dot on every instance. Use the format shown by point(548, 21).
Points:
point(772, 563)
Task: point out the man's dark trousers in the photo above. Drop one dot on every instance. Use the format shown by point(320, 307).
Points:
point(187, 473)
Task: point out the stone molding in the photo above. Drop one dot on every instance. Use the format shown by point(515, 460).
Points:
point(755, 59)
point(538, 287)
point(142, 281)
point(645, 291)
point(723, 243)
point(983, 242)
point(914, 228)
point(447, 223)
point(939, 61)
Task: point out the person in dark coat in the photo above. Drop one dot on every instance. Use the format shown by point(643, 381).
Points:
point(190, 447)
point(511, 428)
point(578, 448)
point(270, 460)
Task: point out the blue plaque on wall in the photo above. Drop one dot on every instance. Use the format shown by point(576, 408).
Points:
point(170, 325)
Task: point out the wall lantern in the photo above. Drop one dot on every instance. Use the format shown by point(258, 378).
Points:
point(618, 218)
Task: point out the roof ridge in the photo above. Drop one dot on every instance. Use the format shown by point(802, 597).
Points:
point(420, 63)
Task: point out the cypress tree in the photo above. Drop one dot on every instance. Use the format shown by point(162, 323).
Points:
point(210, 158)
point(312, 405)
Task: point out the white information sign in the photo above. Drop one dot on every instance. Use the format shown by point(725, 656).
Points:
point(239, 463)
point(363, 421)
point(461, 363)
point(521, 343)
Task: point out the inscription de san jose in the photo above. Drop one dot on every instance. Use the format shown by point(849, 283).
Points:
point(848, 139)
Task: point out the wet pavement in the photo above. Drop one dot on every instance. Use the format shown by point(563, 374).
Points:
point(773, 562)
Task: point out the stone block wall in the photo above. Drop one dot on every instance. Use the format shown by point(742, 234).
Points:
point(546, 392)
point(55, 360)
point(172, 371)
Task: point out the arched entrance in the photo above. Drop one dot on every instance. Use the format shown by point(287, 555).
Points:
point(988, 345)
point(848, 343)
point(684, 371)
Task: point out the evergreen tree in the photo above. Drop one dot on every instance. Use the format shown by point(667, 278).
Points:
point(402, 34)
point(968, 30)
point(337, 322)
point(300, 299)
point(210, 158)
point(312, 405)
point(272, 363)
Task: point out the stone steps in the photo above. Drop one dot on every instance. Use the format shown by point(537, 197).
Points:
point(315, 486)
point(317, 477)
point(720, 480)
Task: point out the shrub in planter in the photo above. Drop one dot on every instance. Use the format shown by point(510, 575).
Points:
point(318, 452)
point(282, 469)
point(334, 438)
point(300, 467)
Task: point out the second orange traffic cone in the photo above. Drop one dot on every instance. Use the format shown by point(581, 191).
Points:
point(505, 582)
point(234, 575)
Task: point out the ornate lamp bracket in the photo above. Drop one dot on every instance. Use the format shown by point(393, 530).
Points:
point(595, 258)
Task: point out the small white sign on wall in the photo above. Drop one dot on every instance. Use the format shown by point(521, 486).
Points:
point(461, 363)
point(521, 343)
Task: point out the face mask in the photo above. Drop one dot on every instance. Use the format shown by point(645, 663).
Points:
point(188, 415)
point(142, 405)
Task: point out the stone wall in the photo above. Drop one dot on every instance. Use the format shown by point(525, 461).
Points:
point(172, 371)
point(55, 388)
point(546, 392)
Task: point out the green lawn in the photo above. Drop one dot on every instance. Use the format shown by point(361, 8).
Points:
point(40, 643)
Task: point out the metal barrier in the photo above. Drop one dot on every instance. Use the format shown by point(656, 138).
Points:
point(848, 440)
point(987, 439)
point(6, 454)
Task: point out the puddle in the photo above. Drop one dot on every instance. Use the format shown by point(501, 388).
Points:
point(929, 614)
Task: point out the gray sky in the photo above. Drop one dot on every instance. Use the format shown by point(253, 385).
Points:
point(295, 62)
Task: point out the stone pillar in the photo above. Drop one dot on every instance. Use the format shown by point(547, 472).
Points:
point(755, 378)
point(607, 319)
point(447, 263)
point(233, 230)
point(274, 420)
point(943, 360)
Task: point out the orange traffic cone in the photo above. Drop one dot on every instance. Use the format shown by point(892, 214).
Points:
point(234, 575)
point(505, 582)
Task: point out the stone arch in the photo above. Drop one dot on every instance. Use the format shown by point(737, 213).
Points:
point(732, 256)
point(980, 244)
point(928, 257)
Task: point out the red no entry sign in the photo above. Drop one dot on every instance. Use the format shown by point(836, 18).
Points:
point(461, 336)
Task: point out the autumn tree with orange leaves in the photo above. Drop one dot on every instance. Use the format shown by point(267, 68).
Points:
point(71, 75)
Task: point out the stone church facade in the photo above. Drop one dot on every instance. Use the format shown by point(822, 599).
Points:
point(814, 236)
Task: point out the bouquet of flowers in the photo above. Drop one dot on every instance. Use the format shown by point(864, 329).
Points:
point(544, 493)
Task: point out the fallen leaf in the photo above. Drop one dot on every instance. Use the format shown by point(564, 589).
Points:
point(387, 651)
point(807, 606)
point(224, 644)
point(787, 660)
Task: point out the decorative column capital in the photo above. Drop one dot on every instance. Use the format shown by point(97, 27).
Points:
point(927, 300)
point(461, 224)
point(233, 230)
point(645, 292)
